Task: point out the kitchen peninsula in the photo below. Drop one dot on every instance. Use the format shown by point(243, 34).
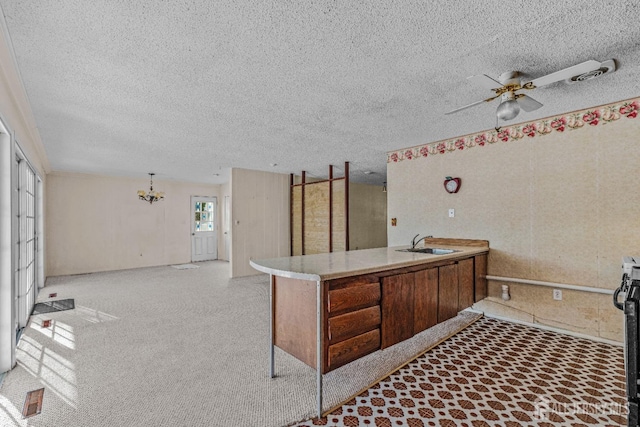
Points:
point(333, 308)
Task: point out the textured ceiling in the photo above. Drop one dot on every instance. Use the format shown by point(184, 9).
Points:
point(188, 89)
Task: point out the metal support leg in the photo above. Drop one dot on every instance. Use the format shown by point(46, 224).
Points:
point(319, 347)
point(271, 321)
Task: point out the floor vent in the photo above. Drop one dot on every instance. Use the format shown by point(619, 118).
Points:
point(51, 306)
point(33, 403)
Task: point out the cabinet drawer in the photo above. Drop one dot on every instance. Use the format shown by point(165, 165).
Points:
point(353, 323)
point(353, 348)
point(354, 297)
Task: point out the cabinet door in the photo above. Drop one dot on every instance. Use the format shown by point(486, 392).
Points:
point(481, 277)
point(465, 283)
point(425, 295)
point(397, 308)
point(447, 292)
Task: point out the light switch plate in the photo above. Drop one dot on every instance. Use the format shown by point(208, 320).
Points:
point(452, 213)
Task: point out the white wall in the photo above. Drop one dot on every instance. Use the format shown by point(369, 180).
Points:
point(260, 218)
point(97, 223)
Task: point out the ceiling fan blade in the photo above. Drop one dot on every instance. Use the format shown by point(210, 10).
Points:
point(485, 81)
point(471, 105)
point(566, 73)
point(527, 103)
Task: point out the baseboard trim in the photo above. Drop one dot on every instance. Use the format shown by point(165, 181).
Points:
point(553, 329)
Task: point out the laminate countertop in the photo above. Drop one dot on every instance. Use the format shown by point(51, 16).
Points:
point(335, 265)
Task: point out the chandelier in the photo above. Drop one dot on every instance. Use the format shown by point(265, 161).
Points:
point(151, 196)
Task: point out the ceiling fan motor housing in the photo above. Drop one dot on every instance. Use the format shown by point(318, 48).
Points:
point(509, 77)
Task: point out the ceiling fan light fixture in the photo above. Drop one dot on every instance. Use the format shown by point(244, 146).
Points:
point(508, 108)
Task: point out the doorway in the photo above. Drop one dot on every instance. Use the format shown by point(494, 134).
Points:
point(204, 233)
point(226, 227)
point(21, 252)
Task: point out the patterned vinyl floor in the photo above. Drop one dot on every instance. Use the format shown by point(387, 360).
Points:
point(496, 373)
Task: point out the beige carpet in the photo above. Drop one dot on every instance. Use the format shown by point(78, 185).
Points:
point(166, 347)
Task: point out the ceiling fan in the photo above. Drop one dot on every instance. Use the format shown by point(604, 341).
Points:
point(509, 83)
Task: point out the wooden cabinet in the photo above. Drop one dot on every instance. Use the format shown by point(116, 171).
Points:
point(354, 317)
point(353, 348)
point(425, 299)
point(447, 292)
point(349, 325)
point(353, 297)
point(465, 283)
point(397, 308)
point(415, 301)
point(362, 314)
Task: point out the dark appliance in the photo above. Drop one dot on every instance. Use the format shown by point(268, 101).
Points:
point(629, 293)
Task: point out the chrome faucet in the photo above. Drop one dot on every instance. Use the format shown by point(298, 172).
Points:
point(414, 242)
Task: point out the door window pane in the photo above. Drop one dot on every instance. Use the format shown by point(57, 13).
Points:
point(204, 216)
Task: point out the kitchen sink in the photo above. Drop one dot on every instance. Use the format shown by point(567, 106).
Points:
point(434, 251)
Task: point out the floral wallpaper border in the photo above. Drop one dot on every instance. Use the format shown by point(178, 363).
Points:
point(566, 122)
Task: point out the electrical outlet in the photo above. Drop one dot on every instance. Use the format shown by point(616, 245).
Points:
point(452, 213)
point(557, 294)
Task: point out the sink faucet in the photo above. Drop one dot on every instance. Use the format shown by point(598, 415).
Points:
point(414, 242)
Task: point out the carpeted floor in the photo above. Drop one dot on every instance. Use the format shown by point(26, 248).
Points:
point(166, 347)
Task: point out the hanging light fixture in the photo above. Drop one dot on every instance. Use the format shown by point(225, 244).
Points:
point(151, 196)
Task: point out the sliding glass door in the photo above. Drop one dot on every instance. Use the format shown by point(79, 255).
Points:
point(26, 245)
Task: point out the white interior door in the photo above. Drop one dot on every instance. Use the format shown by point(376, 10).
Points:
point(204, 236)
point(226, 227)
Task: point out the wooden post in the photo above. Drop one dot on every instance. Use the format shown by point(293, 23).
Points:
point(290, 214)
point(330, 208)
point(346, 204)
point(304, 177)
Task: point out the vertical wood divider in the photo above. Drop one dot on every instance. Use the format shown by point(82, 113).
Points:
point(291, 237)
point(302, 184)
point(304, 178)
point(330, 208)
point(272, 330)
point(346, 205)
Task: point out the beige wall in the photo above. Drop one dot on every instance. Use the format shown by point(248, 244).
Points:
point(367, 216)
point(560, 207)
point(317, 213)
point(260, 218)
point(96, 223)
